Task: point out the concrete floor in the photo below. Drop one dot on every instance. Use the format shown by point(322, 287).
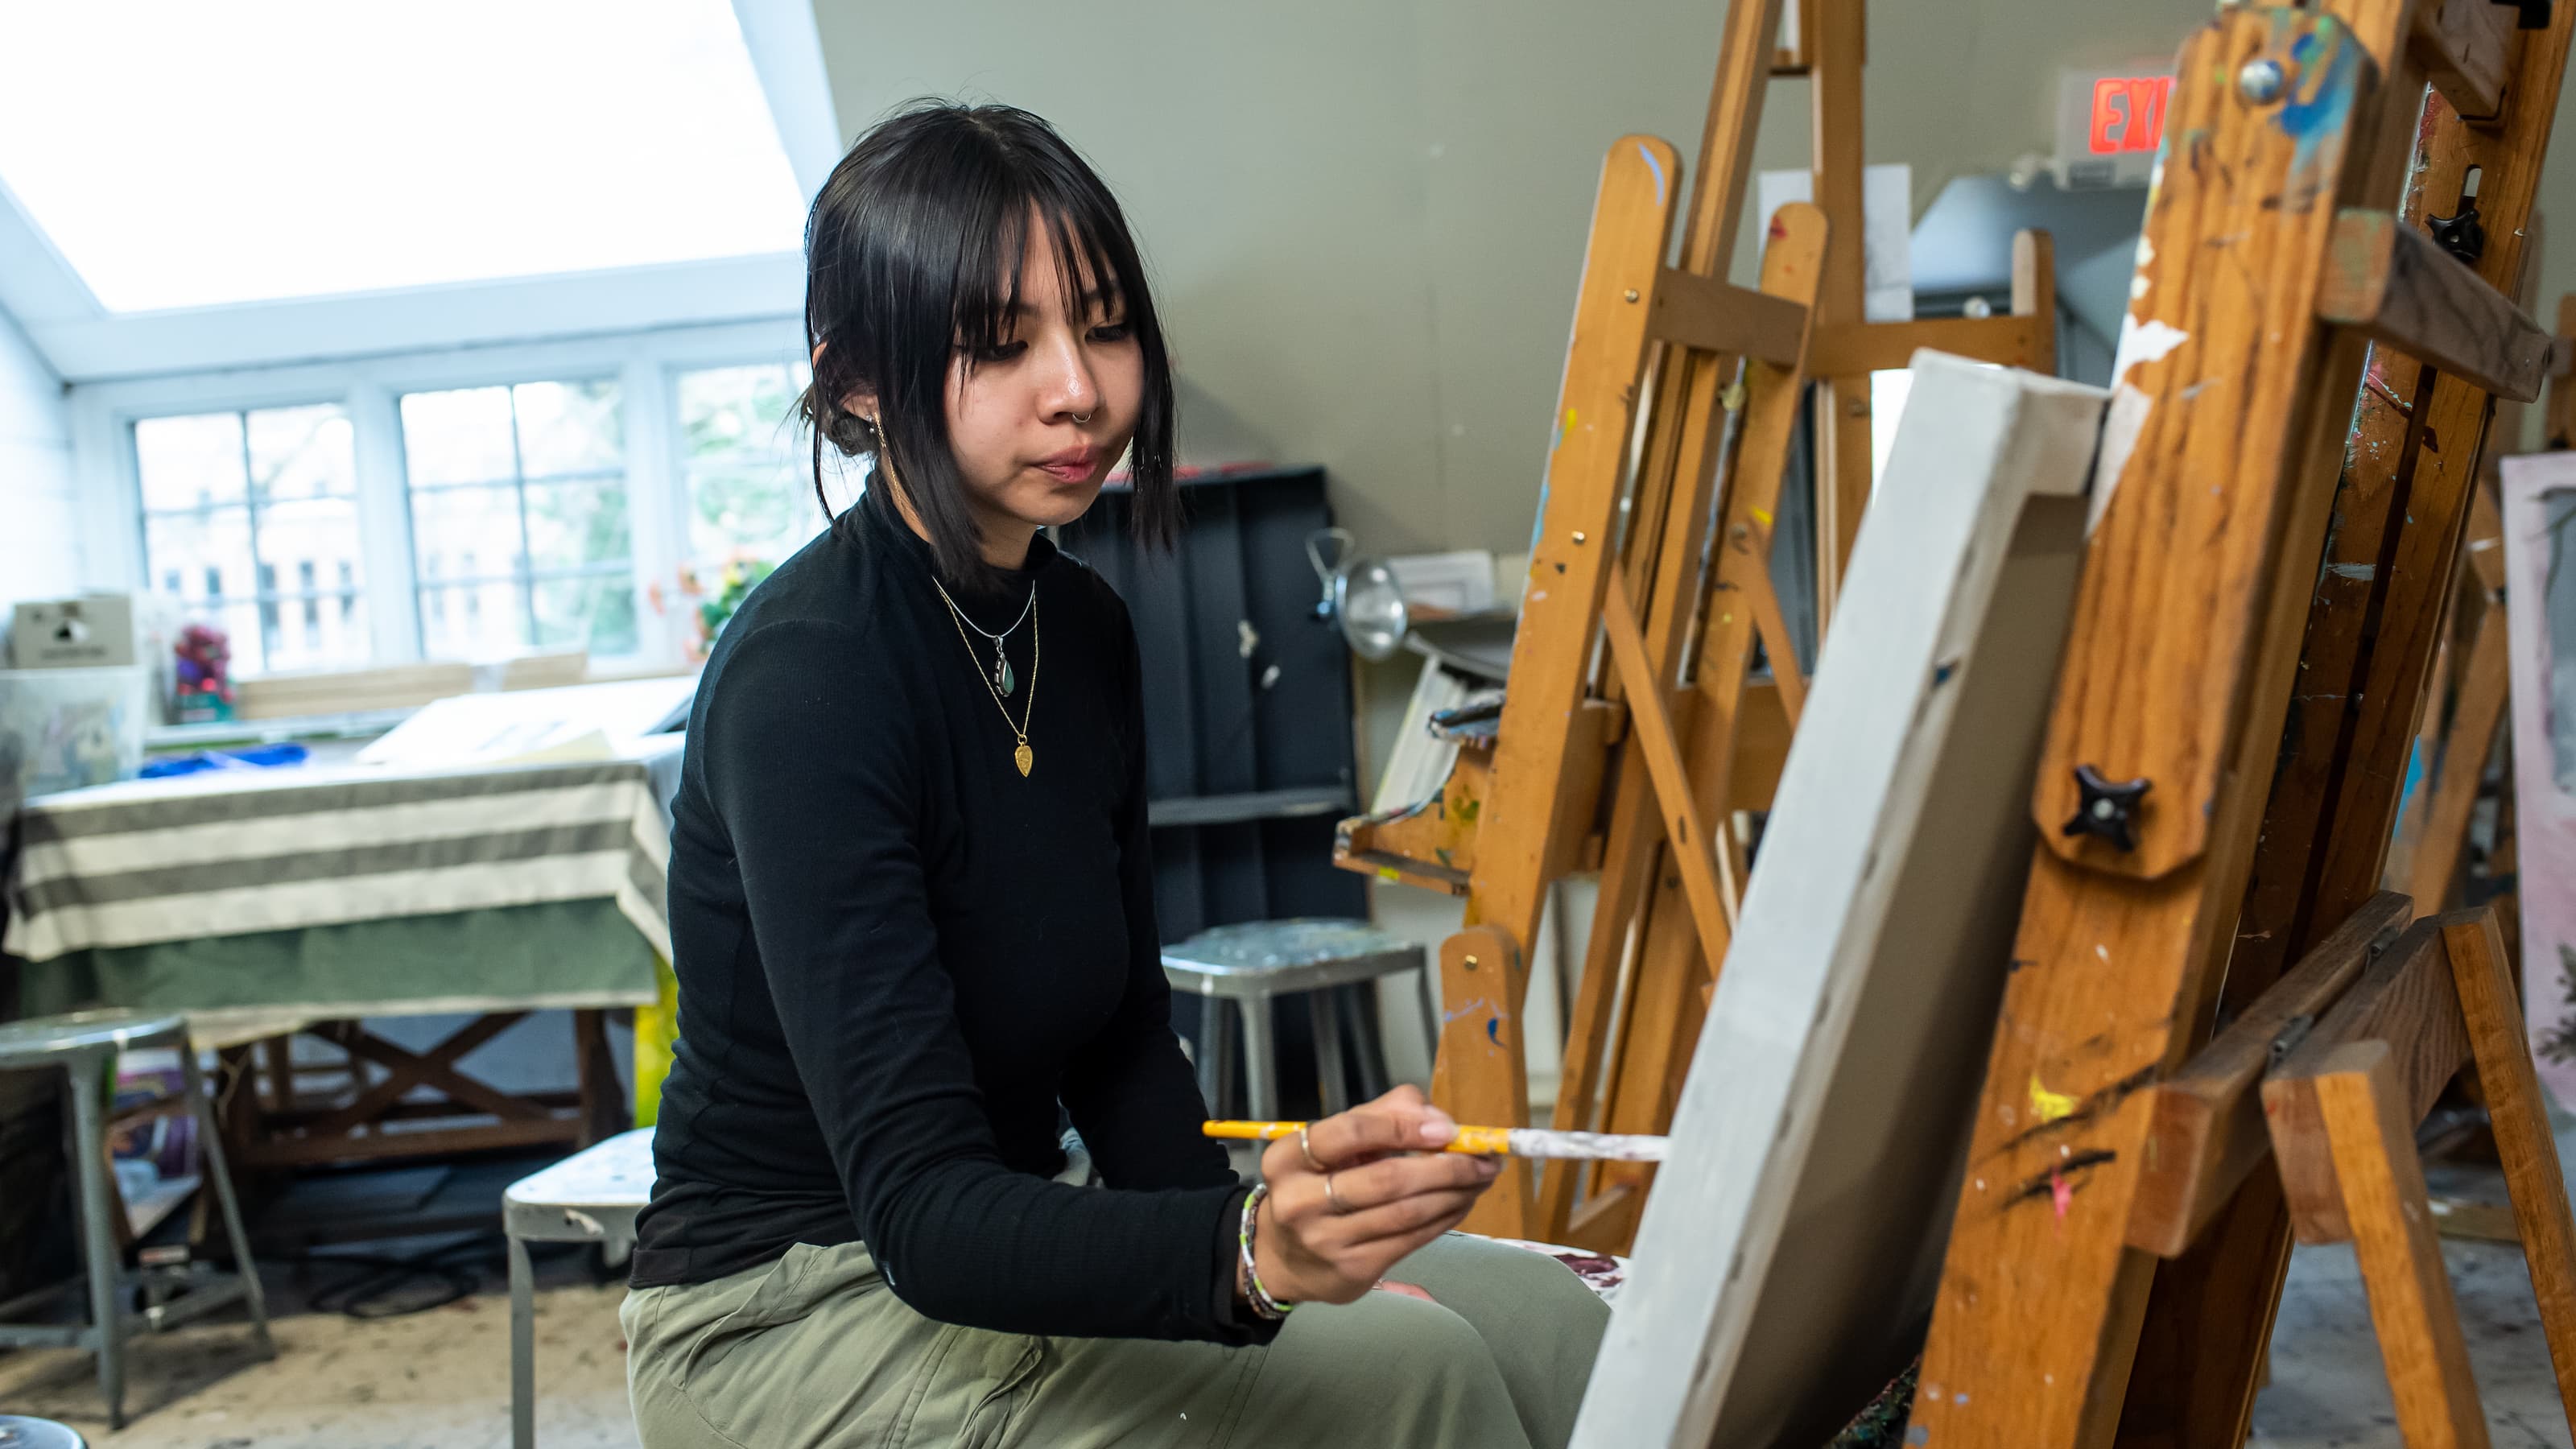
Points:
point(440, 1379)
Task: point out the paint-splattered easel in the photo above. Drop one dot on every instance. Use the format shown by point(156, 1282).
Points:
point(2253, 631)
point(1669, 697)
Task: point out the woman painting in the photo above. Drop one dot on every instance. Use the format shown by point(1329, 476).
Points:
point(913, 923)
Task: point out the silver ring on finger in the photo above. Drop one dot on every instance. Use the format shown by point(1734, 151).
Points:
point(1307, 1149)
point(1332, 1199)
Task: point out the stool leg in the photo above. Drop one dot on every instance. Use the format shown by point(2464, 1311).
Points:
point(1324, 1008)
point(1428, 979)
point(98, 1235)
point(219, 1177)
point(1364, 1038)
point(1216, 1053)
point(523, 1347)
point(1260, 1059)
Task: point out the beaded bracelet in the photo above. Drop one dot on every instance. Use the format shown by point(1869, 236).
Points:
point(1263, 1305)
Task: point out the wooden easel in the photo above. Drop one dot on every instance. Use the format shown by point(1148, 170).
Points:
point(1629, 675)
point(2328, 1074)
point(2203, 846)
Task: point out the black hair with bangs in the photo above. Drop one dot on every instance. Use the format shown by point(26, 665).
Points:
point(912, 258)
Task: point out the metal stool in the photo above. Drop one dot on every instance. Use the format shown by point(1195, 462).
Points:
point(84, 1045)
point(1249, 964)
point(589, 1197)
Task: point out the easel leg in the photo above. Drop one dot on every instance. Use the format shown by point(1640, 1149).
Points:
point(2520, 1116)
point(2401, 1260)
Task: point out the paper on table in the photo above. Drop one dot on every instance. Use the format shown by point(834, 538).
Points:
point(577, 722)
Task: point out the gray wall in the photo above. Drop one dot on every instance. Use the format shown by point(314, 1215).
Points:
point(1366, 217)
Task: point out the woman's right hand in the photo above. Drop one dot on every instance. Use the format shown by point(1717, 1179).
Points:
point(1383, 1189)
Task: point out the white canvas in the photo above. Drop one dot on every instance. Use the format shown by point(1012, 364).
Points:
point(1786, 1262)
point(2539, 499)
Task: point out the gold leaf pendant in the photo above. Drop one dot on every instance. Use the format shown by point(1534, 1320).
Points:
point(1024, 757)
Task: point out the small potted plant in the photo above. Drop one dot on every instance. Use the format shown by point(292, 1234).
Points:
point(204, 686)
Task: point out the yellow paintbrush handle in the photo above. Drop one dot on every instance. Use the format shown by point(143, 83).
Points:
point(1250, 1131)
point(1469, 1139)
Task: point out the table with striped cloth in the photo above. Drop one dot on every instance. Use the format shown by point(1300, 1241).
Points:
point(464, 885)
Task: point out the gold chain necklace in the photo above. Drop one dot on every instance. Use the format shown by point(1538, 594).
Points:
point(1024, 757)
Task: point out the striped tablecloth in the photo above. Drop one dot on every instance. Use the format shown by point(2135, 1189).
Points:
point(243, 852)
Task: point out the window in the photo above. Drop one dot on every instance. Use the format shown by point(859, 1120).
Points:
point(407, 183)
point(749, 486)
point(519, 520)
point(229, 498)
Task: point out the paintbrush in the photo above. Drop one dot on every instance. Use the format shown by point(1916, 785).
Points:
point(1491, 1141)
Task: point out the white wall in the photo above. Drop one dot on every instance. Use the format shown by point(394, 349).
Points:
point(39, 550)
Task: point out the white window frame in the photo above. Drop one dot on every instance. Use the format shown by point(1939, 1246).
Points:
point(646, 364)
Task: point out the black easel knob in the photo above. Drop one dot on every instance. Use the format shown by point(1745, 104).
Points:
point(2463, 236)
point(2105, 809)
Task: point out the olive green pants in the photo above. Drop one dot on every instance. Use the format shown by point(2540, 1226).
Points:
point(814, 1352)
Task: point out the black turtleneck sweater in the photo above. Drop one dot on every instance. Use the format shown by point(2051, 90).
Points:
point(897, 956)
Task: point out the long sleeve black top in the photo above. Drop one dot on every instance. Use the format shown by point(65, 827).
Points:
point(897, 956)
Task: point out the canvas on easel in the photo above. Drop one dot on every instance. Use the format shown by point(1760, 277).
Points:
point(1818, 1137)
point(2539, 497)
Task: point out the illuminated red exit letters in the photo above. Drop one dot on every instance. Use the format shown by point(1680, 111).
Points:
point(2128, 113)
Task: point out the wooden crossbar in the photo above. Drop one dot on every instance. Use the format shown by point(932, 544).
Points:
point(2392, 283)
point(2461, 44)
point(1712, 316)
point(2207, 1134)
point(1846, 349)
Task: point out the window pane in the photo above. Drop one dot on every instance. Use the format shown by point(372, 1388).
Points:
point(749, 492)
point(532, 484)
point(755, 512)
point(473, 621)
point(457, 437)
point(568, 427)
point(240, 623)
point(303, 453)
point(189, 462)
point(460, 533)
point(596, 613)
point(304, 543)
point(209, 551)
point(570, 524)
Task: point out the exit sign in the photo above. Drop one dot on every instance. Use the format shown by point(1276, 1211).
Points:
point(2109, 124)
point(2128, 113)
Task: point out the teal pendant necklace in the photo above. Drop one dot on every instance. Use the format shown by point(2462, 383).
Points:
point(1001, 681)
point(1005, 681)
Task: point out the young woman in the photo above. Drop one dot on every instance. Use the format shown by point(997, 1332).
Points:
point(912, 910)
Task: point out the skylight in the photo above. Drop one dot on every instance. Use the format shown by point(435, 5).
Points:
point(180, 154)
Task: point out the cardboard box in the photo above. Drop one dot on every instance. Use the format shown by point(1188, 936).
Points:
point(95, 632)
